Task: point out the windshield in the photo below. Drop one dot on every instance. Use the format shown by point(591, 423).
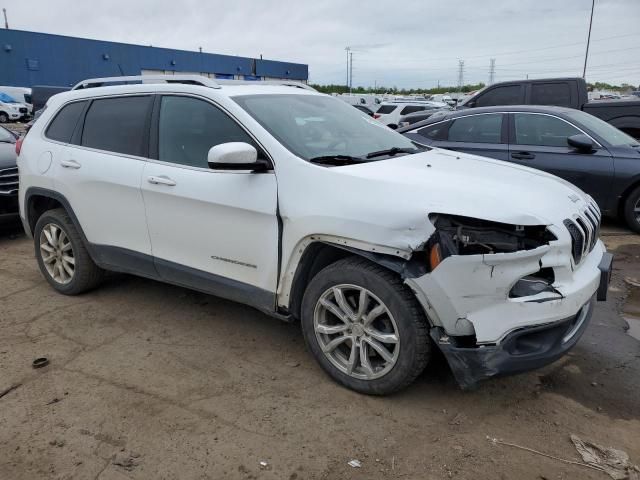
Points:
point(6, 136)
point(6, 98)
point(315, 126)
point(608, 132)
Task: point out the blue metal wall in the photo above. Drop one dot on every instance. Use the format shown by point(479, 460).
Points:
point(31, 58)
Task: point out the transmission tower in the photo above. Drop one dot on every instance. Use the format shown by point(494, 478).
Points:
point(492, 70)
point(460, 74)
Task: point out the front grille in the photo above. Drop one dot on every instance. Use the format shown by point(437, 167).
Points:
point(9, 181)
point(584, 230)
point(23, 110)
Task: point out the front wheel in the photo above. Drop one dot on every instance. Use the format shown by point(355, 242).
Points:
point(4, 118)
point(365, 327)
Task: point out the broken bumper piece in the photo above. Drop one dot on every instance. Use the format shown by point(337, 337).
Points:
point(524, 349)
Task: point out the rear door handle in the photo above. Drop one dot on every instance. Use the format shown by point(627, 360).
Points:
point(161, 180)
point(70, 164)
point(523, 155)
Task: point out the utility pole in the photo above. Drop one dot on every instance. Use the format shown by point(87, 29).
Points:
point(348, 49)
point(460, 74)
point(6, 22)
point(586, 55)
point(350, 71)
point(492, 70)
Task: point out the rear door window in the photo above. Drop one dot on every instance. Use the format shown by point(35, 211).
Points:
point(412, 109)
point(551, 94)
point(385, 109)
point(477, 129)
point(434, 132)
point(507, 95)
point(543, 130)
point(118, 125)
point(64, 123)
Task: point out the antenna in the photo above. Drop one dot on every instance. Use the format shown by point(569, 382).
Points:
point(6, 22)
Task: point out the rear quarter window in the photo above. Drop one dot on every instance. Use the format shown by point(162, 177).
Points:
point(412, 109)
point(384, 109)
point(64, 123)
point(551, 94)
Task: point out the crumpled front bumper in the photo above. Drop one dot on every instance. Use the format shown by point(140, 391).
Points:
point(520, 351)
point(483, 332)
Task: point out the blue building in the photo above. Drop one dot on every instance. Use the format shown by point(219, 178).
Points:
point(31, 58)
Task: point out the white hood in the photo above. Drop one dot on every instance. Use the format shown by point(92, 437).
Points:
point(446, 182)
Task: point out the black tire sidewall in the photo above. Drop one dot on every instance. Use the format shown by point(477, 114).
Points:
point(56, 218)
point(4, 118)
point(629, 215)
point(397, 305)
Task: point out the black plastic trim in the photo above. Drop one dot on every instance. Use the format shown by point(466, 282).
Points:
point(543, 344)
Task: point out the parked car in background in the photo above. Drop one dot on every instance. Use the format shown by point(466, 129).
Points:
point(8, 174)
point(41, 93)
point(561, 92)
point(20, 95)
point(584, 150)
point(364, 109)
point(364, 100)
point(293, 202)
point(11, 110)
point(389, 113)
point(420, 116)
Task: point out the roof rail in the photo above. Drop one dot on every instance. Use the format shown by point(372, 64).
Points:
point(286, 83)
point(188, 79)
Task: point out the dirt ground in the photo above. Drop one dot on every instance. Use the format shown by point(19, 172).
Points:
point(151, 381)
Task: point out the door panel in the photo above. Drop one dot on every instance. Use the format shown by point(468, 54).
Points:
point(209, 229)
point(216, 222)
point(591, 172)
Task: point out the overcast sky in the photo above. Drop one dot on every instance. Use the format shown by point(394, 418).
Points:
point(406, 44)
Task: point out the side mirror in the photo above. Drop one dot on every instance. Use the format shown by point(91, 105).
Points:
point(235, 156)
point(581, 143)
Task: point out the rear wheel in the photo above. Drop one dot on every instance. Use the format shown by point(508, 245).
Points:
point(632, 210)
point(62, 256)
point(364, 327)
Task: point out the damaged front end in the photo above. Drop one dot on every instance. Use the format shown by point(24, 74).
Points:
point(504, 298)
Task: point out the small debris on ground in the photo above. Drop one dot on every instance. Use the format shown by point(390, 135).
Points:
point(126, 461)
point(293, 364)
point(610, 460)
point(40, 362)
point(57, 443)
point(634, 282)
point(354, 463)
point(55, 400)
point(263, 464)
point(9, 389)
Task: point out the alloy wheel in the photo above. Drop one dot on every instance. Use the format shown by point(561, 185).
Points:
point(356, 331)
point(57, 253)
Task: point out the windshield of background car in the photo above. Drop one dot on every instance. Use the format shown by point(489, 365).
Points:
point(313, 126)
point(608, 132)
point(6, 98)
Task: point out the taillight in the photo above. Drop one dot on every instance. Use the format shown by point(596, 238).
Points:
point(19, 145)
point(376, 115)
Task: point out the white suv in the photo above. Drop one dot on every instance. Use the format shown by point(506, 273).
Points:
point(389, 113)
point(297, 204)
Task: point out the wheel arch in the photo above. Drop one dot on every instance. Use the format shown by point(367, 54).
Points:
point(318, 252)
point(622, 199)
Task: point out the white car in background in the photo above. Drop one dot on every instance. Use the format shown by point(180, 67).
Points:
point(389, 113)
point(295, 203)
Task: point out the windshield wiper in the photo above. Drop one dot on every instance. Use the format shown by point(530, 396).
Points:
point(337, 160)
point(392, 151)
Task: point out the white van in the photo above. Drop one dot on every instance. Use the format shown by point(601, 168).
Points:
point(20, 95)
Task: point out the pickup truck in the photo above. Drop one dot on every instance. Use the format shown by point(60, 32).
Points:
point(562, 92)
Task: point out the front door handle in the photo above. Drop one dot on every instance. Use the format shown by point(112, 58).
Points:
point(70, 164)
point(523, 155)
point(161, 180)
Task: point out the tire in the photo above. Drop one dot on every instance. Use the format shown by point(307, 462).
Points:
point(67, 243)
point(403, 320)
point(630, 217)
point(393, 126)
point(4, 118)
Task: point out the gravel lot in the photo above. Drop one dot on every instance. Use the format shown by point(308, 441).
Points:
point(153, 381)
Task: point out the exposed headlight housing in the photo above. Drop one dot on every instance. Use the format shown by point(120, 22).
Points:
point(457, 235)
